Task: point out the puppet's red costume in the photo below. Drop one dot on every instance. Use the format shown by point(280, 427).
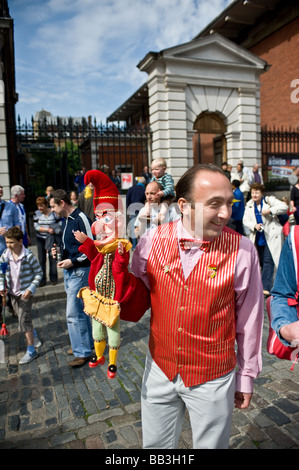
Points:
point(110, 284)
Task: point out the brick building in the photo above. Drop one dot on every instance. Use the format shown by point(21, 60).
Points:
point(209, 99)
point(279, 100)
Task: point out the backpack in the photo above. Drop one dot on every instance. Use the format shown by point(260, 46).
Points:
point(274, 345)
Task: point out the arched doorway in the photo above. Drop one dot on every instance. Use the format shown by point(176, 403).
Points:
point(209, 143)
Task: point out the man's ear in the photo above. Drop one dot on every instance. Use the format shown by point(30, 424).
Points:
point(181, 202)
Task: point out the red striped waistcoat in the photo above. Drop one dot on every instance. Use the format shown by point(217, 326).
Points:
point(193, 321)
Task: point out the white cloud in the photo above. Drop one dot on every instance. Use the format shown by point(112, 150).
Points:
point(99, 34)
point(91, 48)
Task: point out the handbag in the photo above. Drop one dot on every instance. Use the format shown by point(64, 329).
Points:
point(274, 345)
point(98, 307)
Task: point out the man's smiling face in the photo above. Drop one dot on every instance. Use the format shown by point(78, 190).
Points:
point(211, 205)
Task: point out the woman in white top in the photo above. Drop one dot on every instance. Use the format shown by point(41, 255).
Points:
point(265, 230)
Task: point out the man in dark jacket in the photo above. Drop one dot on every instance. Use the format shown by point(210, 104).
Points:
point(75, 271)
point(135, 200)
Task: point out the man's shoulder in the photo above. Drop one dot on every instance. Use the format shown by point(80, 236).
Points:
point(135, 189)
point(75, 213)
point(163, 232)
point(131, 189)
point(10, 204)
point(10, 208)
point(244, 242)
point(84, 217)
point(78, 213)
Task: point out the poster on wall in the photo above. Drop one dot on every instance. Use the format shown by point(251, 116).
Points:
point(126, 180)
point(281, 166)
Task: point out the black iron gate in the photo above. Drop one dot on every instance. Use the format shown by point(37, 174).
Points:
point(275, 141)
point(51, 153)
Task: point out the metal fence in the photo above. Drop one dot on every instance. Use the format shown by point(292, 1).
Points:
point(279, 141)
point(52, 151)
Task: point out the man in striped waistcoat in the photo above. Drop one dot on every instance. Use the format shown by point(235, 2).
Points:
point(206, 299)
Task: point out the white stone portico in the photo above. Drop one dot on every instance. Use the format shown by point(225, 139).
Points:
point(209, 76)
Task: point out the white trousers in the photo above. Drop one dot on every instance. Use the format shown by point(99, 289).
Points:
point(163, 404)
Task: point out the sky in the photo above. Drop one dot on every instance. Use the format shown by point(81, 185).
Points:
point(79, 57)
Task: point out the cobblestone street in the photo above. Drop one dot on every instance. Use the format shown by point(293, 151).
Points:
point(46, 404)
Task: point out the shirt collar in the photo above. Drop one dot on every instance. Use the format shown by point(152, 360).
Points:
point(22, 254)
point(182, 232)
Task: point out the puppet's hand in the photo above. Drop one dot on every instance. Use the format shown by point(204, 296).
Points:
point(81, 237)
point(121, 249)
point(120, 271)
point(122, 257)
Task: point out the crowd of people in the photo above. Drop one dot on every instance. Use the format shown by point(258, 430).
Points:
point(205, 279)
point(264, 220)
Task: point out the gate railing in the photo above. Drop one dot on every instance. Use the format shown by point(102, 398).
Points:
point(280, 153)
point(280, 141)
point(52, 151)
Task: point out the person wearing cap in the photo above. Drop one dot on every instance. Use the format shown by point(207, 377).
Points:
point(75, 267)
point(104, 292)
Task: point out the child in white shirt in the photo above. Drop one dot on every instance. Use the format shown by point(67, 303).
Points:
point(20, 275)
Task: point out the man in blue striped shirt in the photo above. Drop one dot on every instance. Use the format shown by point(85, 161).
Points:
point(75, 271)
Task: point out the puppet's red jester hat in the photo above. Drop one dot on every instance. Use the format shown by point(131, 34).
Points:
point(105, 191)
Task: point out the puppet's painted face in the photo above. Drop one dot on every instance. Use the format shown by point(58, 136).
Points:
point(108, 227)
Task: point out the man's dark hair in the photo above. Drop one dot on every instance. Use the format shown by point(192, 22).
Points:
point(60, 195)
point(236, 183)
point(184, 187)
